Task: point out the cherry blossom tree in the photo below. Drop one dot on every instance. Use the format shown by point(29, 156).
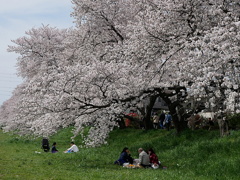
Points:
point(120, 53)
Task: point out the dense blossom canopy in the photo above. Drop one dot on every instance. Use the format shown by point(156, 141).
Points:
point(119, 53)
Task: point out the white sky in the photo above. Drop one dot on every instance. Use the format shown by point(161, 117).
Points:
point(18, 16)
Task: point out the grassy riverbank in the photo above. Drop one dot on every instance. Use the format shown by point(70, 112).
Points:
point(193, 155)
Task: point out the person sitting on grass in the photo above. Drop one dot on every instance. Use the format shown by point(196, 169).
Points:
point(153, 159)
point(54, 149)
point(125, 157)
point(144, 160)
point(45, 144)
point(73, 148)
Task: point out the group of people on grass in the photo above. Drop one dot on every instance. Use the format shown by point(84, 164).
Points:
point(164, 120)
point(145, 160)
point(46, 147)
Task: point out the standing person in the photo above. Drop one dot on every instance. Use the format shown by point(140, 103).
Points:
point(125, 157)
point(153, 159)
point(54, 148)
point(73, 148)
point(168, 121)
point(161, 119)
point(144, 160)
point(45, 145)
point(155, 121)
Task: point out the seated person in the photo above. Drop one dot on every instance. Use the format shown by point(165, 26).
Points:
point(54, 149)
point(73, 148)
point(144, 159)
point(45, 145)
point(125, 157)
point(153, 159)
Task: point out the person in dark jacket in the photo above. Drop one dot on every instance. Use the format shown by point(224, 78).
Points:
point(54, 148)
point(161, 120)
point(45, 145)
point(125, 157)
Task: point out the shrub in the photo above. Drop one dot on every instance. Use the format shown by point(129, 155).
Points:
point(234, 121)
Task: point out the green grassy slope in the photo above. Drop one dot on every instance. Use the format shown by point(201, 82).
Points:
point(192, 155)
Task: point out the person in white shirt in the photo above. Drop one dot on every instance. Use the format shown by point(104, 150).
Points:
point(73, 148)
point(144, 159)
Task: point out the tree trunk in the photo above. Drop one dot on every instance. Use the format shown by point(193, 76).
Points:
point(177, 111)
point(178, 118)
point(147, 118)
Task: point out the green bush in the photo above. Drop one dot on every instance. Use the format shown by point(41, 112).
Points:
point(234, 121)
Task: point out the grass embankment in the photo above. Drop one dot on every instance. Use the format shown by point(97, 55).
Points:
point(192, 155)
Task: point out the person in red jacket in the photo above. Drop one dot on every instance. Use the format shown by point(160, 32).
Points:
point(153, 159)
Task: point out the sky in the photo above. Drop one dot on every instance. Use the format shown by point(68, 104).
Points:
point(17, 17)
